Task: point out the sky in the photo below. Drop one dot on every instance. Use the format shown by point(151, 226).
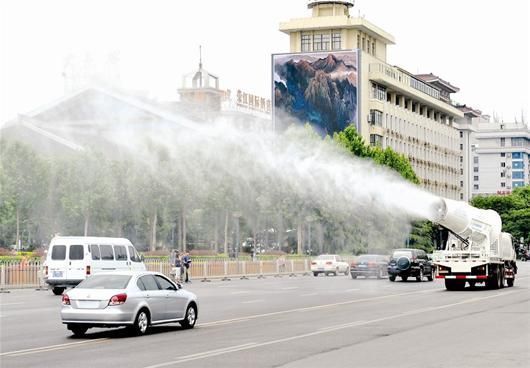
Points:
point(482, 47)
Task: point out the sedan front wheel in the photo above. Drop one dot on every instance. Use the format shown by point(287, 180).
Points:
point(190, 318)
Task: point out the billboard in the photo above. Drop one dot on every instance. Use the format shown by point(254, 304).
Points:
point(317, 88)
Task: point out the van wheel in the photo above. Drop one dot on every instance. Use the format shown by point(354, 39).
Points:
point(58, 290)
point(140, 323)
point(190, 318)
point(392, 278)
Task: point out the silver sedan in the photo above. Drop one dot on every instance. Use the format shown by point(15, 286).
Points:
point(135, 299)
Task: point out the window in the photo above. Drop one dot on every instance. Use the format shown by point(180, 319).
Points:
point(517, 142)
point(76, 252)
point(306, 42)
point(376, 117)
point(517, 155)
point(106, 252)
point(503, 184)
point(461, 196)
point(516, 184)
point(461, 158)
point(140, 284)
point(475, 187)
point(461, 147)
point(149, 282)
point(121, 252)
point(461, 171)
point(94, 249)
point(475, 169)
point(503, 175)
point(378, 92)
point(475, 178)
point(59, 252)
point(368, 46)
point(475, 160)
point(358, 41)
point(105, 282)
point(503, 142)
point(320, 41)
point(518, 164)
point(335, 40)
point(518, 175)
point(503, 164)
point(461, 134)
point(503, 154)
point(364, 44)
point(163, 283)
point(376, 140)
point(373, 48)
point(134, 255)
point(461, 184)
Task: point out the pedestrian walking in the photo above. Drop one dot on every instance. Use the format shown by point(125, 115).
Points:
point(186, 263)
point(176, 264)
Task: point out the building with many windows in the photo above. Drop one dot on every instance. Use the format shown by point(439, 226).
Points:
point(494, 156)
point(410, 113)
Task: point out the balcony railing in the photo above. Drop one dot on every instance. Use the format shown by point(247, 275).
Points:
point(405, 79)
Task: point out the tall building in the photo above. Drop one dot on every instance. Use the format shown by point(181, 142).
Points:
point(412, 114)
point(495, 156)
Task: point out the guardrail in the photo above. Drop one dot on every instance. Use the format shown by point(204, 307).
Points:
point(29, 274)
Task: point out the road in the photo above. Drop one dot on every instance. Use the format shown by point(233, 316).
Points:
point(291, 322)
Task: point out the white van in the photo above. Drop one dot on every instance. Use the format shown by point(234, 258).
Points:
point(70, 259)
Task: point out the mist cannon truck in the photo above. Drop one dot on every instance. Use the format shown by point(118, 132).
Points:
point(476, 249)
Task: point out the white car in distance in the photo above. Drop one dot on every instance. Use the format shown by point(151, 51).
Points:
point(329, 264)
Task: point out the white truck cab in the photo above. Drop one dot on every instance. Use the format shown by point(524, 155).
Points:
point(70, 259)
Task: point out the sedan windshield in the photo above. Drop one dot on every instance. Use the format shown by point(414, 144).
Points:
point(105, 282)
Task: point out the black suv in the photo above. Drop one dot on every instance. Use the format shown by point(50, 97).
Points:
point(410, 262)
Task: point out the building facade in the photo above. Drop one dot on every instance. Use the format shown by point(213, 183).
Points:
point(495, 156)
point(411, 114)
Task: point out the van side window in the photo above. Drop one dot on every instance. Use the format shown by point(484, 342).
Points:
point(59, 252)
point(76, 252)
point(134, 255)
point(94, 249)
point(120, 252)
point(106, 252)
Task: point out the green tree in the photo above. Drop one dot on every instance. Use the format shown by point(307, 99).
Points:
point(23, 183)
point(514, 210)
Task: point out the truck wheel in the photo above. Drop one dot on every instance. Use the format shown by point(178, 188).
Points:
point(58, 290)
point(392, 278)
point(315, 274)
point(404, 278)
point(510, 282)
point(501, 278)
point(353, 276)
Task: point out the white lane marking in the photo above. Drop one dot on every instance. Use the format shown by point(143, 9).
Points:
point(310, 294)
point(236, 348)
point(4, 304)
point(352, 289)
point(205, 354)
point(240, 292)
point(52, 347)
point(305, 309)
point(290, 288)
point(221, 323)
point(252, 301)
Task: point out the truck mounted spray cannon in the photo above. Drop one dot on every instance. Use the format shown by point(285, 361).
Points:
point(476, 249)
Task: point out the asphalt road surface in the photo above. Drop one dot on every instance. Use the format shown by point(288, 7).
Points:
point(291, 322)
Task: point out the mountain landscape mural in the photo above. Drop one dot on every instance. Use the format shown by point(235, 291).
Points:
point(320, 89)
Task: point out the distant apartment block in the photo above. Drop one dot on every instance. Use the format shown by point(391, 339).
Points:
point(494, 156)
